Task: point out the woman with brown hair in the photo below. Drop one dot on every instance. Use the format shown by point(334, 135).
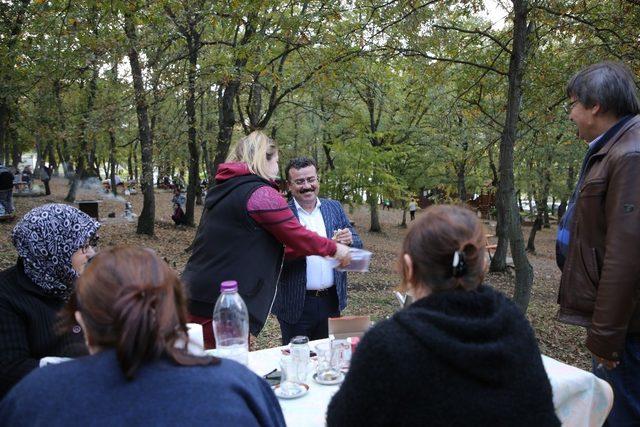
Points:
point(461, 354)
point(132, 308)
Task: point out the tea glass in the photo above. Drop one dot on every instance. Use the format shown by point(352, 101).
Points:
point(289, 383)
point(329, 361)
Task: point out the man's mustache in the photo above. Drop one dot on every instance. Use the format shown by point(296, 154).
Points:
point(308, 190)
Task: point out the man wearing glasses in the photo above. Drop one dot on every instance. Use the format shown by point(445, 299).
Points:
point(310, 290)
point(598, 246)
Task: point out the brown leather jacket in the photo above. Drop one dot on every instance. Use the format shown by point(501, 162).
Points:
point(600, 283)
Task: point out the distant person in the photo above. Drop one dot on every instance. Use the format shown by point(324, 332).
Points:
point(54, 243)
point(462, 354)
point(310, 290)
point(178, 201)
point(245, 227)
point(27, 176)
point(45, 175)
point(413, 207)
point(6, 189)
point(132, 308)
point(178, 181)
point(597, 247)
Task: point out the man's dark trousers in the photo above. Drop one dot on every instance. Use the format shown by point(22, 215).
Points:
point(313, 323)
point(626, 410)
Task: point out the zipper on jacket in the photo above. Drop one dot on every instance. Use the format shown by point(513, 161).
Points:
point(277, 281)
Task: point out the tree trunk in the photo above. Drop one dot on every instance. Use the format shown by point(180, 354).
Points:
point(194, 154)
point(506, 192)
point(13, 22)
point(62, 146)
point(204, 136)
point(499, 260)
point(462, 187)
point(83, 144)
point(537, 226)
point(226, 121)
point(373, 206)
point(519, 198)
point(136, 175)
point(112, 161)
point(403, 224)
point(226, 97)
point(562, 208)
point(146, 221)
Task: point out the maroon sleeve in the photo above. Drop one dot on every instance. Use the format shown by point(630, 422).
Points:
point(269, 209)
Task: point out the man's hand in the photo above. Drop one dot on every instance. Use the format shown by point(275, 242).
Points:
point(343, 235)
point(608, 364)
point(342, 254)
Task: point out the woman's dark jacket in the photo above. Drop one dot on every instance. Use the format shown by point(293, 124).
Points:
point(27, 328)
point(229, 245)
point(454, 358)
point(92, 391)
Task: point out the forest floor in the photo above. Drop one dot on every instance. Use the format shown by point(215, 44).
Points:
point(369, 293)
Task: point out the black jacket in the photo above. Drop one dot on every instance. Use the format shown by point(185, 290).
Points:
point(229, 245)
point(27, 328)
point(454, 358)
point(6, 179)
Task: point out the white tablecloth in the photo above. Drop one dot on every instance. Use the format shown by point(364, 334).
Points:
point(580, 398)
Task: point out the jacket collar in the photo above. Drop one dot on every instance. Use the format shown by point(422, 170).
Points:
point(611, 136)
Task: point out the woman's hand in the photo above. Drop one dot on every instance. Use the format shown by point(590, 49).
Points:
point(342, 254)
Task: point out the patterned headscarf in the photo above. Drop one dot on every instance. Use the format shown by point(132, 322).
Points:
point(45, 239)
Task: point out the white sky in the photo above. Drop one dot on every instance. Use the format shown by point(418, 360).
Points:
point(496, 13)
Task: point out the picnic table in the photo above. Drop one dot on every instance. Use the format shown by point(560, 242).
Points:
point(579, 397)
point(20, 186)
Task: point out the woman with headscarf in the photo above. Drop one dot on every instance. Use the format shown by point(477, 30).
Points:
point(54, 243)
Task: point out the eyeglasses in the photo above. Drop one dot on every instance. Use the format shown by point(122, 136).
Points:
point(568, 106)
point(91, 243)
point(310, 180)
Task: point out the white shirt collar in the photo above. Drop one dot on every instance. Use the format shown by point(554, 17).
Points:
point(301, 209)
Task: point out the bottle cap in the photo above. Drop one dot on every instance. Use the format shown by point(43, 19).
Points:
point(228, 285)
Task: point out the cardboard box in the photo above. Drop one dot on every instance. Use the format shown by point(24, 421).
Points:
point(349, 326)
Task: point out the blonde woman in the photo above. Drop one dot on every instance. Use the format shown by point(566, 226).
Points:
point(246, 231)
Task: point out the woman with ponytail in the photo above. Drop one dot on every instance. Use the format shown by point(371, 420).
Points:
point(461, 354)
point(133, 310)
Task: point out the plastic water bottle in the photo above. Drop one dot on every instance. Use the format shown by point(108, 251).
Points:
point(231, 324)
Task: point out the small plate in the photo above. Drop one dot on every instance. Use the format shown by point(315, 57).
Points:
point(278, 392)
point(332, 382)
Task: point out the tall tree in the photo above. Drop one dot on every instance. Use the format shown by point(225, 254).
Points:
point(506, 199)
point(146, 221)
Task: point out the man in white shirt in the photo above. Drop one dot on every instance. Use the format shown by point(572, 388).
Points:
point(310, 290)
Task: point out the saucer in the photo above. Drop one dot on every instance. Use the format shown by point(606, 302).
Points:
point(301, 391)
point(330, 382)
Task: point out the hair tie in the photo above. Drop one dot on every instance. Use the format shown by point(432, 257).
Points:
point(459, 265)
